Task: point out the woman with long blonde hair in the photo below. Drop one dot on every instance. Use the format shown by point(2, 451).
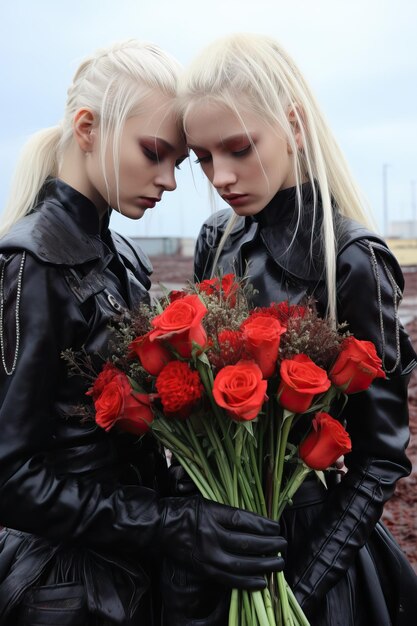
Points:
point(87, 514)
point(297, 228)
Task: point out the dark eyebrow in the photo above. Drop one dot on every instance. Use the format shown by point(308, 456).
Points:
point(221, 143)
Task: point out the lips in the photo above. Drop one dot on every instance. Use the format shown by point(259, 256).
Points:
point(149, 203)
point(235, 199)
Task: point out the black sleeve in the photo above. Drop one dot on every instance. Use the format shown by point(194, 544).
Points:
point(203, 255)
point(34, 496)
point(368, 291)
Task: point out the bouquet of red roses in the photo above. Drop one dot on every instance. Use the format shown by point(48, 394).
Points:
point(223, 388)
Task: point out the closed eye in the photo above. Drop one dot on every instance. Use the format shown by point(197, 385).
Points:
point(203, 159)
point(150, 154)
point(179, 161)
point(243, 152)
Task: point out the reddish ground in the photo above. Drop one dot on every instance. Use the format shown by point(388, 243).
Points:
point(400, 513)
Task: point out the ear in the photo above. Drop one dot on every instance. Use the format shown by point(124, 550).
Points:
point(296, 119)
point(84, 125)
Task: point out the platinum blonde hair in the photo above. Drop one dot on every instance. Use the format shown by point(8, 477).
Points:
point(112, 83)
point(253, 71)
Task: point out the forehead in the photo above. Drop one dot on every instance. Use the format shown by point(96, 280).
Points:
point(157, 117)
point(209, 122)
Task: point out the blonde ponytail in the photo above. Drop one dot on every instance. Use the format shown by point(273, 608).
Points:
point(113, 83)
point(38, 160)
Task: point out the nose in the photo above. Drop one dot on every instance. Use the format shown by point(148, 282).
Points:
point(166, 178)
point(222, 175)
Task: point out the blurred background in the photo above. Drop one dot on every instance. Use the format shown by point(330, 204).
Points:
point(360, 57)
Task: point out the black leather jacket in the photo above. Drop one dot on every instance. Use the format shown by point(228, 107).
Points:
point(369, 284)
point(63, 479)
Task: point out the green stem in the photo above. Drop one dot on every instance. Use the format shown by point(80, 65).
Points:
point(198, 479)
point(221, 458)
point(268, 606)
point(258, 601)
point(234, 609)
point(170, 440)
point(285, 607)
point(246, 608)
point(259, 491)
point(271, 425)
point(279, 460)
point(296, 608)
point(297, 478)
point(220, 497)
point(237, 469)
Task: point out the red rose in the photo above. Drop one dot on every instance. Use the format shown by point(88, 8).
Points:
point(356, 366)
point(137, 414)
point(152, 354)
point(109, 404)
point(240, 390)
point(301, 380)
point(180, 325)
point(262, 338)
point(107, 374)
point(118, 403)
point(179, 389)
point(325, 443)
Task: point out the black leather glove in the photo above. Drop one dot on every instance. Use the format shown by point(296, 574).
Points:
point(235, 547)
point(189, 599)
point(180, 484)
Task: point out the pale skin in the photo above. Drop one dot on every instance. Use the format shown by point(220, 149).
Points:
point(246, 163)
point(151, 146)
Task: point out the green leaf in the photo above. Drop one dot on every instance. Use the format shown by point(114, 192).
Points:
point(320, 475)
point(203, 358)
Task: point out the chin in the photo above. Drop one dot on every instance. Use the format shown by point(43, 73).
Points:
point(246, 211)
point(133, 213)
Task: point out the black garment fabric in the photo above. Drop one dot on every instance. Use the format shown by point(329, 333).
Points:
point(343, 565)
point(79, 505)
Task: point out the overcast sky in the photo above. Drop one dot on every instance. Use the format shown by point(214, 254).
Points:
point(360, 56)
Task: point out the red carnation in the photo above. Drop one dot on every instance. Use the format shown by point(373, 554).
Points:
point(227, 287)
point(282, 311)
point(179, 388)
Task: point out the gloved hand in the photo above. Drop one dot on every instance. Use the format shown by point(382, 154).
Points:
point(180, 484)
point(234, 547)
point(189, 599)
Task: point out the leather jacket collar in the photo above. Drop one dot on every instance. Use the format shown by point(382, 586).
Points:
point(287, 236)
point(60, 229)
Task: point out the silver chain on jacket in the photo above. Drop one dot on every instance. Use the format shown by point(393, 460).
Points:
point(396, 297)
point(17, 319)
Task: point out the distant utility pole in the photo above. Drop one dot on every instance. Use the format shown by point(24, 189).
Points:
point(385, 196)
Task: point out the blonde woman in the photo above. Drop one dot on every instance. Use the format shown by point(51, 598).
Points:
point(298, 228)
point(86, 526)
